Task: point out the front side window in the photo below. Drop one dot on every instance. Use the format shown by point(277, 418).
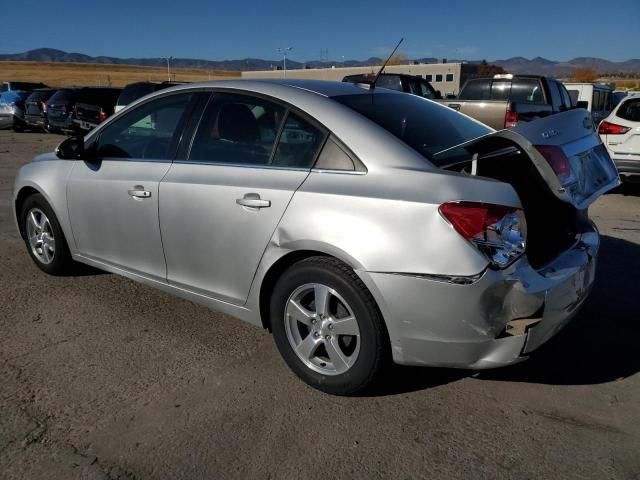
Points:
point(150, 131)
point(479, 89)
point(237, 129)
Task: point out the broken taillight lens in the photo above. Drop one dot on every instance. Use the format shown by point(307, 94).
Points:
point(102, 117)
point(498, 231)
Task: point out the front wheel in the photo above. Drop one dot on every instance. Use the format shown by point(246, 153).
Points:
point(44, 238)
point(327, 326)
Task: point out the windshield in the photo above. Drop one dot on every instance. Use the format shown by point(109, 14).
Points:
point(424, 125)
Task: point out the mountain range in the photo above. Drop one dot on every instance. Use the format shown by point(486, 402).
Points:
point(536, 65)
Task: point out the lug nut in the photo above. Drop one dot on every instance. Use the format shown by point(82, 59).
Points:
point(316, 334)
point(331, 326)
point(327, 337)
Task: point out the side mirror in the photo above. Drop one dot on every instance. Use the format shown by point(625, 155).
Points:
point(438, 94)
point(582, 104)
point(71, 149)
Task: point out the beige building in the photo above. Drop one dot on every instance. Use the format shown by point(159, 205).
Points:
point(446, 77)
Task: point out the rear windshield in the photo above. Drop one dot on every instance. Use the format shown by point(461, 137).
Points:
point(98, 96)
point(26, 85)
point(425, 126)
point(520, 90)
point(630, 110)
point(40, 96)
point(134, 92)
point(64, 95)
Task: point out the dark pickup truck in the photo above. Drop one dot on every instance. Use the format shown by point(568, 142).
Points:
point(502, 101)
point(93, 106)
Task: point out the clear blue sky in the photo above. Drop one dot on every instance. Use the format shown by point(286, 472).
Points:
point(472, 29)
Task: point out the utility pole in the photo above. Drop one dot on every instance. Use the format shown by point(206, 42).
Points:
point(284, 51)
point(168, 59)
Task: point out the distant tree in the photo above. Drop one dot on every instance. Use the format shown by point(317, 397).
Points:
point(398, 58)
point(584, 75)
point(486, 69)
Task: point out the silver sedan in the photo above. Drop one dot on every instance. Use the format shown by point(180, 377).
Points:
point(359, 225)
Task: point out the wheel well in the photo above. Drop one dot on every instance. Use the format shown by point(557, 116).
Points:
point(23, 194)
point(270, 279)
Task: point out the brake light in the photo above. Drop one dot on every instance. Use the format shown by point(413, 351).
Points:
point(44, 106)
point(510, 118)
point(103, 116)
point(607, 128)
point(498, 231)
point(557, 160)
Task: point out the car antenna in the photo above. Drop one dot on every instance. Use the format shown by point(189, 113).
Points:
point(373, 84)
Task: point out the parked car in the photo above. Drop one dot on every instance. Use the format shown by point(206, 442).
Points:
point(12, 109)
point(35, 115)
point(358, 225)
point(23, 86)
point(68, 108)
point(620, 133)
point(504, 101)
point(94, 106)
point(134, 91)
point(596, 95)
point(401, 82)
point(618, 95)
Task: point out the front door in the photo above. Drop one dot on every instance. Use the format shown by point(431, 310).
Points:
point(113, 196)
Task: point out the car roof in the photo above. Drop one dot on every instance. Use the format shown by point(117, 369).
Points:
point(324, 88)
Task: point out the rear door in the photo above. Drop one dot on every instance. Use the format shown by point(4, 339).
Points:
point(221, 203)
point(113, 198)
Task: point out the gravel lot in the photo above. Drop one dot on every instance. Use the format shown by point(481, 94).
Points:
point(105, 378)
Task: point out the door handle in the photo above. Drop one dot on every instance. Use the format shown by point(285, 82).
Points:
point(138, 191)
point(455, 106)
point(253, 200)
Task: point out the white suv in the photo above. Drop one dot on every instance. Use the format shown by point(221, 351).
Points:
point(620, 132)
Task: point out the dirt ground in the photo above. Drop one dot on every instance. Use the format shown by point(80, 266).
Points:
point(101, 377)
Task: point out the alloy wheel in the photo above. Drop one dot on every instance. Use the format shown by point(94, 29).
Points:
point(322, 329)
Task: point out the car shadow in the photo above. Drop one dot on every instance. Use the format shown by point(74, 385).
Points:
point(600, 345)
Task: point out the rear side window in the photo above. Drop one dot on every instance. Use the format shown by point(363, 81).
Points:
point(476, 90)
point(333, 157)
point(425, 126)
point(575, 95)
point(62, 96)
point(237, 129)
point(630, 110)
point(298, 144)
point(554, 90)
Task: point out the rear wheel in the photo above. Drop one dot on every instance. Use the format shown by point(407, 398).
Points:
point(327, 326)
point(43, 236)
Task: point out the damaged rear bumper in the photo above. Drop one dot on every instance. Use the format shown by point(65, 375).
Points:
point(492, 321)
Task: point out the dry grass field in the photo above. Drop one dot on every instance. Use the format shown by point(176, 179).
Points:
point(61, 74)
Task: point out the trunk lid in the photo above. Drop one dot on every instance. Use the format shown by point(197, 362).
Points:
point(564, 148)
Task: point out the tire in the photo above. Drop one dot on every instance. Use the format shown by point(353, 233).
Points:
point(309, 340)
point(18, 128)
point(52, 258)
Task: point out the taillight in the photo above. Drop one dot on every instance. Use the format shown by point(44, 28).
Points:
point(44, 106)
point(498, 231)
point(510, 118)
point(607, 128)
point(103, 116)
point(557, 160)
